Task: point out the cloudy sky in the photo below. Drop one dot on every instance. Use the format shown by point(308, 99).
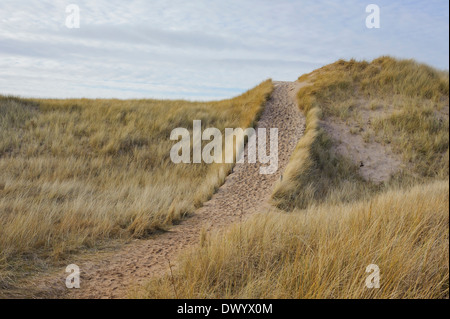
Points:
point(201, 49)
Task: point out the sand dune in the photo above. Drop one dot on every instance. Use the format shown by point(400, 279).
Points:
point(245, 192)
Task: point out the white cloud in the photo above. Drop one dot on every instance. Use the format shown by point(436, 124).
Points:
point(200, 49)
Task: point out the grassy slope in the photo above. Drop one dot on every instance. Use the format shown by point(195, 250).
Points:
point(323, 251)
point(74, 173)
point(412, 99)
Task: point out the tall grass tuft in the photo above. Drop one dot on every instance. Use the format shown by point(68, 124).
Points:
point(324, 252)
point(75, 174)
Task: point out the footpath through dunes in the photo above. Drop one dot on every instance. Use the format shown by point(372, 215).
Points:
point(245, 192)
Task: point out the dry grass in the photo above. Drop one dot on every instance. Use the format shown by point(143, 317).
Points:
point(74, 173)
point(413, 119)
point(323, 252)
point(340, 223)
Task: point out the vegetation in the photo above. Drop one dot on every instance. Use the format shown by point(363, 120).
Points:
point(324, 252)
point(340, 223)
point(76, 173)
point(411, 100)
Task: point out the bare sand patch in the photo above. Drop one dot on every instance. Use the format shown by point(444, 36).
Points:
point(377, 162)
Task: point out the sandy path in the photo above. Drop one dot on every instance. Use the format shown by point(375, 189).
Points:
point(245, 190)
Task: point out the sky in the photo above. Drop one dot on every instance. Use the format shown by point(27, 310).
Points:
point(201, 49)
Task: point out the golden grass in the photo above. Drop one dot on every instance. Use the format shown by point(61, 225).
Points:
point(413, 99)
point(323, 252)
point(74, 173)
point(340, 223)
